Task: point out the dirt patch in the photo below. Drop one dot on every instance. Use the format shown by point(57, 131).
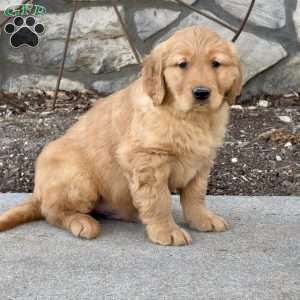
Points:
point(261, 155)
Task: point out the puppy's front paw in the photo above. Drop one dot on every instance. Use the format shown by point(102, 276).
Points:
point(168, 235)
point(209, 222)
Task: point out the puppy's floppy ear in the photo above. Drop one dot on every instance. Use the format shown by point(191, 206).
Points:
point(152, 77)
point(236, 87)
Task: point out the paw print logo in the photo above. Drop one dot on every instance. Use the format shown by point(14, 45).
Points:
point(24, 31)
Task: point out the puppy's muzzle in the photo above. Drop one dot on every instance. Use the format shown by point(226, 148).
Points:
point(201, 93)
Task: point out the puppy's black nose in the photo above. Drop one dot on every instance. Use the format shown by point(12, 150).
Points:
point(201, 93)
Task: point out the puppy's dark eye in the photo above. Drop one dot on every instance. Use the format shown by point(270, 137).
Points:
point(215, 64)
point(183, 65)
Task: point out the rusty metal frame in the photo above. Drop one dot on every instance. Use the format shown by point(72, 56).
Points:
point(137, 56)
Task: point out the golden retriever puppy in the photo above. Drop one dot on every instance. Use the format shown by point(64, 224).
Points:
point(126, 154)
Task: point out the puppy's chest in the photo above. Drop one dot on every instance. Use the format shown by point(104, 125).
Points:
point(184, 170)
point(192, 154)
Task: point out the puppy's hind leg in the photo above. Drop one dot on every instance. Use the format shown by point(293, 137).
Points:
point(68, 208)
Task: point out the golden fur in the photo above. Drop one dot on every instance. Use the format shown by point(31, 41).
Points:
point(125, 155)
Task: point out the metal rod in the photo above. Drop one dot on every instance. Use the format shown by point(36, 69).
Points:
point(134, 50)
point(244, 22)
point(75, 3)
point(208, 16)
point(8, 18)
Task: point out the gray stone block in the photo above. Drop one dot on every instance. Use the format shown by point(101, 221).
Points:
point(109, 86)
point(296, 18)
point(97, 42)
point(150, 21)
point(285, 77)
point(190, 2)
point(267, 13)
point(33, 81)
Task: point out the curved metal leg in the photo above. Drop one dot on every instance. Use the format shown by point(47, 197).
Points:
point(244, 22)
point(75, 4)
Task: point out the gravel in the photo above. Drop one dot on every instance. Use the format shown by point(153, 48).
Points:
point(261, 154)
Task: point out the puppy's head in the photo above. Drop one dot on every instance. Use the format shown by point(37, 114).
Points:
point(194, 68)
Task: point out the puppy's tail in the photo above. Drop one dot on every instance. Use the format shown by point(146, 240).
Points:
point(23, 213)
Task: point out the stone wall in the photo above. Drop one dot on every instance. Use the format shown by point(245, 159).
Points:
point(100, 58)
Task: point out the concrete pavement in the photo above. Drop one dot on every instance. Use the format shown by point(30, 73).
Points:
point(259, 258)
